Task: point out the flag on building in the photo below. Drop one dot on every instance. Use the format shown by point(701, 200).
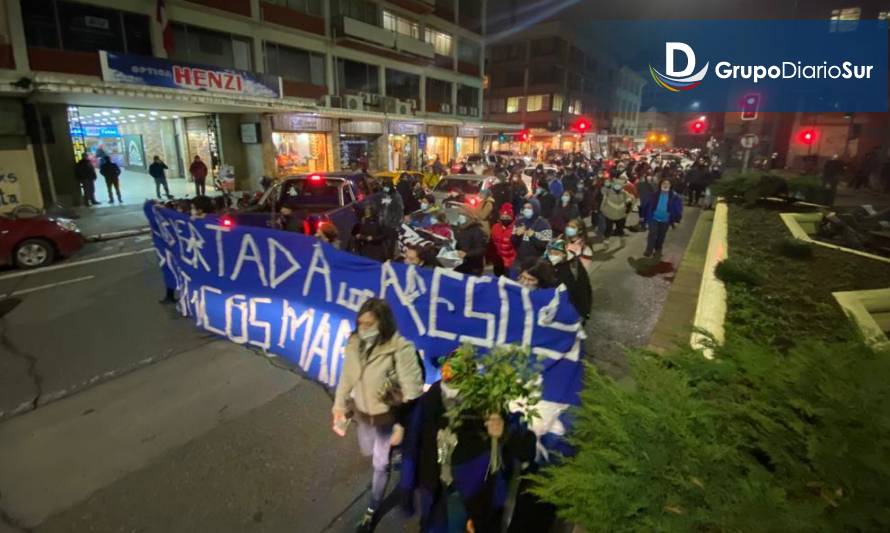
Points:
point(164, 45)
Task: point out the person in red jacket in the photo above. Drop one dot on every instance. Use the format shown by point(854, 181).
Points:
point(504, 254)
point(198, 170)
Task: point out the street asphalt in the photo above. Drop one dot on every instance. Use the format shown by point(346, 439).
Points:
point(118, 415)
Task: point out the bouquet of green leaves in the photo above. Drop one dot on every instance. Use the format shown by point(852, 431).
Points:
point(504, 379)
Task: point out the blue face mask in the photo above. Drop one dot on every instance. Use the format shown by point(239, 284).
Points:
point(571, 232)
point(528, 213)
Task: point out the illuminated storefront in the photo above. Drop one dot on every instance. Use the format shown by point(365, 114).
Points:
point(467, 141)
point(359, 140)
point(405, 145)
point(440, 143)
point(302, 144)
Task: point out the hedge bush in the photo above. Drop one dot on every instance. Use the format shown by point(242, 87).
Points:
point(751, 187)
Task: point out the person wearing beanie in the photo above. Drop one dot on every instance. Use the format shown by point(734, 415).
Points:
point(502, 251)
point(571, 273)
point(617, 202)
point(531, 233)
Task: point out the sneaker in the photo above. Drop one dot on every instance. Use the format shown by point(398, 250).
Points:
point(364, 525)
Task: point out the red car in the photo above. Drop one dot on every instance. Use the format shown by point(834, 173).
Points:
point(35, 241)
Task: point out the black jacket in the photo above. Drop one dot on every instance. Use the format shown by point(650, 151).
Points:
point(406, 190)
point(471, 240)
point(547, 201)
point(110, 171)
point(501, 193)
point(374, 248)
point(84, 171)
point(573, 275)
point(561, 215)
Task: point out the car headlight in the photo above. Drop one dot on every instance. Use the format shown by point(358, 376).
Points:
point(67, 224)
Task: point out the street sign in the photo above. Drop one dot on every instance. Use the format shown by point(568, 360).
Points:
point(749, 140)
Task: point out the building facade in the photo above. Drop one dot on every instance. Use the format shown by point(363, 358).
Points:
point(253, 87)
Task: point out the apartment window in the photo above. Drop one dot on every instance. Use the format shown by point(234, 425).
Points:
point(513, 104)
point(468, 97)
point(470, 15)
point(402, 85)
point(309, 7)
point(208, 47)
point(294, 64)
point(357, 77)
point(538, 102)
point(71, 26)
point(845, 19)
point(515, 78)
point(438, 92)
point(575, 107)
point(362, 10)
point(497, 105)
point(401, 25)
point(442, 43)
point(558, 102)
point(468, 51)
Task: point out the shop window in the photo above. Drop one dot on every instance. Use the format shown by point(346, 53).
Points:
point(197, 45)
point(309, 7)
point(356, 77)
point(513, 104)
point(442, 43)
point(401, 25)
point(537, 102)
point(362, 10)
point(300, 153)
point(295, 64)
point(72, 26)
point(402, 85)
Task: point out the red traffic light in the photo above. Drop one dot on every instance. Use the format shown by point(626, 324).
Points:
point(697, 126)
point(582, 125)
point(807, 136)
point(750, 104)
point(525, 135)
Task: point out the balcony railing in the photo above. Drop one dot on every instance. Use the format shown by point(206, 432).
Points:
point(357, 29)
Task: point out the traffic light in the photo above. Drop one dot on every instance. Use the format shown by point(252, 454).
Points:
point(807, 136)
point(582, 125)
point(525, 136)
point(750, 104)
point(698, 126)
point(502, 138)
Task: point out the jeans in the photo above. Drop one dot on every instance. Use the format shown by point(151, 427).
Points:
point(161, 182)
point(657, 233)
point(200, 186)
point(614, 227)
point(113, 185)
point(89, 192)
point(374, 442)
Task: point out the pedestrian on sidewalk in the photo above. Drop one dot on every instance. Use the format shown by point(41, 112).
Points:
point(198, 170)
point(663, 210)
point(617, 203)
point(86, 179)
point(531, 233)
point(111, 172)
point(156, 171)
point(503, 253)
point(380, 378)
point(571, 273)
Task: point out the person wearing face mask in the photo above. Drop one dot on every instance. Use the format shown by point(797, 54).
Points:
point(545, 199)
point(390, 211)
point(662, 211)
point(577, 246)
point(616, 204)
point(380, 378)
point(406, 190)
point(425, 216)
point(503, 253)
point(531, 233)
point(571, 273)
point(564, 211)
point(471, 245)
point(445, 470)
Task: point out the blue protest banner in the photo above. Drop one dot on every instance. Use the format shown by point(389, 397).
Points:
point(157, 72)
point(295, 297)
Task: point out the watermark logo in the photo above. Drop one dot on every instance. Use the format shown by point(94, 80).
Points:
point(682, 80)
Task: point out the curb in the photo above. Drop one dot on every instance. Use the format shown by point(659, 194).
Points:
point(710, 313)
point(117, 234)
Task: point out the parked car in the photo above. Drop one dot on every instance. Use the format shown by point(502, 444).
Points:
point(30, 239)
point(469, 186)
point(336, 197)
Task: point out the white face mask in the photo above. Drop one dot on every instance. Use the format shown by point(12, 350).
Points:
point(368, 335)
point(424, 206)
point(461, 220)
point(555, 259)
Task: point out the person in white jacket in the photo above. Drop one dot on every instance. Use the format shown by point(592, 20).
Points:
point(380, 371)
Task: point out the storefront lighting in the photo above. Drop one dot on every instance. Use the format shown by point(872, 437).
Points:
point(153, 113)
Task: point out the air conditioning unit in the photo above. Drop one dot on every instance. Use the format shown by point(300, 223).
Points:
point(405, 108)
point(445, 108)
point(374, 100)
point(474, 111)
point(366, 98)
point(462, 110)
point(390, 105)
point(330, 100)
point(353, 102)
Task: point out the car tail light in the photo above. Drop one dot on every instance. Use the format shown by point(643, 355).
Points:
point(227, 221)
point(472, 201)
point(307, 228)
point(315, 178)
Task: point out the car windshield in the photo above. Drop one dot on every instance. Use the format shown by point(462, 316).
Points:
point(462, 185)
point(311, 192)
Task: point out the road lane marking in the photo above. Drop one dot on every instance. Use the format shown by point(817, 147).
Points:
point(61, 266)
point(44, 287)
